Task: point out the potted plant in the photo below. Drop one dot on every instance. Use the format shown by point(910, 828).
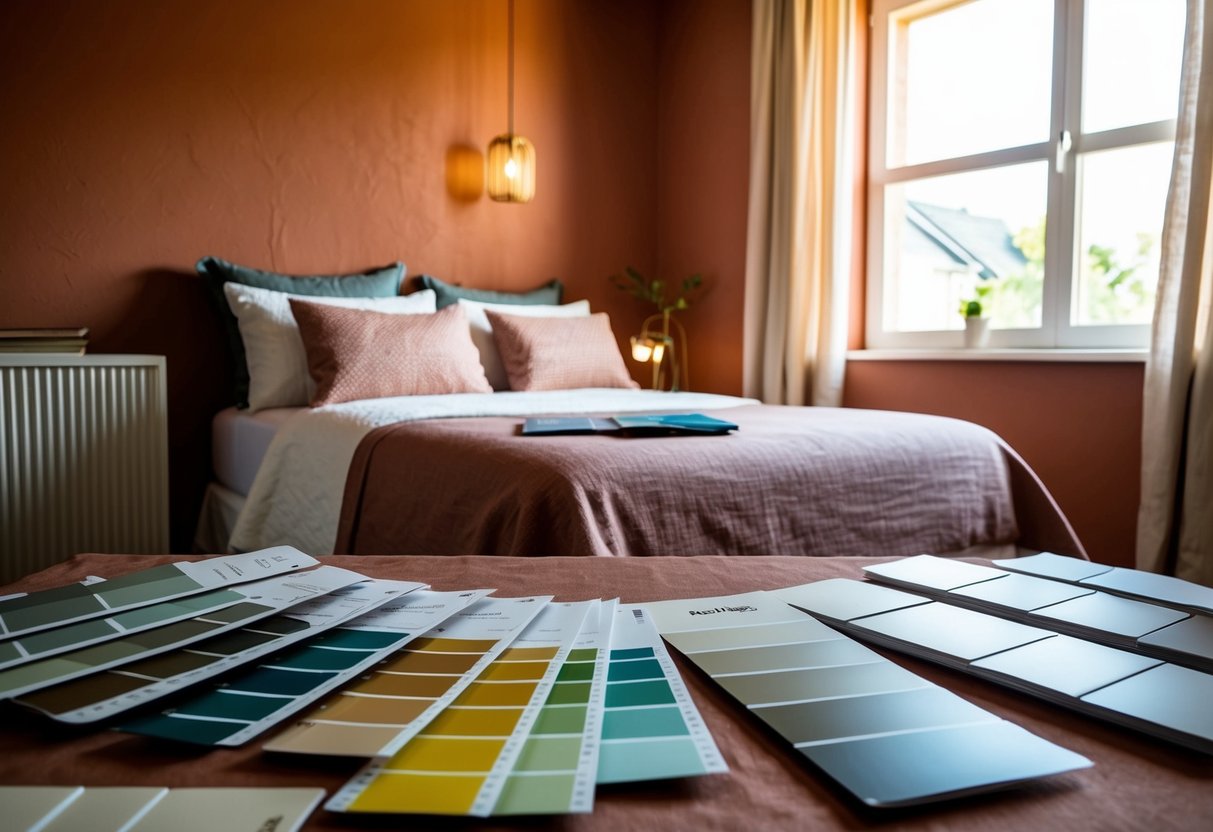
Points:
point(977, 325)
point(665, 346)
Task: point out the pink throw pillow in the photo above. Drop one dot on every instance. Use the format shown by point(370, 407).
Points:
point(559, 353)
point(355, 354)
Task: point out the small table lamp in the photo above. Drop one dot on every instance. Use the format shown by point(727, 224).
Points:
point(658, 346)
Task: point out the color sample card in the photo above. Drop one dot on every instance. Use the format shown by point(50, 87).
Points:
point(248, 704)
point(651, 729)
point(1072, 608)
point(460, 762)
point(557, 767)
point(396, 698)
point(100, 696)
point(261, 600)
point(155, 809)
point(1131, 583)
point(1139, 692)
point(277, 809)
point(76, 602)
point(865, 721)
point(46, 643)
point(29, 807)
point(1057, 567)
point(105, 808)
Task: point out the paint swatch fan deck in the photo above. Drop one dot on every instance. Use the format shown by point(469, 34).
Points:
point(458, 765)
point(100, 696)
point(253, 602)
point(392, 701)
point(866, 722)
point(247, 704)
point(77, 602)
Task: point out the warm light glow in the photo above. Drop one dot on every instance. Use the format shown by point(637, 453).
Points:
point(511, 169)
point(642, 349)
point(658, 352)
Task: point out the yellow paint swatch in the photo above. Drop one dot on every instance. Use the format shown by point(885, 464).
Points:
point(446, 794)
point(438, 754)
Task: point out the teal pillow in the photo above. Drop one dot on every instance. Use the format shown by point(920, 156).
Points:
point(382, 282)
point(549, 293)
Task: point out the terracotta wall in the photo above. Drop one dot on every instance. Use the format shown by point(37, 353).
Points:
point(703, 153)
point(307, 136)
point(1078, 425)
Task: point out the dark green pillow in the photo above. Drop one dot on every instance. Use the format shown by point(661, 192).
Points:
point(383, 282)
point(549, 293)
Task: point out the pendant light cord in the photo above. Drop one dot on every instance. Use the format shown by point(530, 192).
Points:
point(511, 68)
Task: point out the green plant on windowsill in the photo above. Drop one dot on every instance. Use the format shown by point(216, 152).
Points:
point(973, 310)
point(975, 307)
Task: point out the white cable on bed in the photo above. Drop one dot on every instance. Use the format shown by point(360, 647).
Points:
point(296, 498)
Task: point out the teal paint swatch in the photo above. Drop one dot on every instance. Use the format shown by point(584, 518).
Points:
point(280, 683)
point(643, 722)
point(631, 671)
point(225, 705)
point(632, 653)
point(317, 658)
point(654, 759)
point(631, 694)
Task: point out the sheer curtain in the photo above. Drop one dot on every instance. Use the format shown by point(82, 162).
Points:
point(798, 248)
point(1175, 522)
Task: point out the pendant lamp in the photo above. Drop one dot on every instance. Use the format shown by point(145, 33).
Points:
point(511, 158)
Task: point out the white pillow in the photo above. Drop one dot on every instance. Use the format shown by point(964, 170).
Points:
point(482, 331)
point(277, 364)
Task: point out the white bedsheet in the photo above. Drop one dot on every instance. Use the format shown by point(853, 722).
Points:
point(296, 497)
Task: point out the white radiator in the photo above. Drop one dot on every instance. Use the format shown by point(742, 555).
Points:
point(83, 458)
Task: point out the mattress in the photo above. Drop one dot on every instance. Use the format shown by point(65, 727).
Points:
point(239, 440)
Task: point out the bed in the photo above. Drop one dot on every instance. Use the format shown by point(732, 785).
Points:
point(451, 474)
point(412, 446)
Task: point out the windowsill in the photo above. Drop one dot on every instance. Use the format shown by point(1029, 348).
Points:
point(1129, 356)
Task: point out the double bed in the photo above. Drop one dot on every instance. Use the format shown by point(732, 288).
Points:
point(452, 474)
point(412, 443)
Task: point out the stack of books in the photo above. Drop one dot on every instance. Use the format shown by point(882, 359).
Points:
point(69, 340)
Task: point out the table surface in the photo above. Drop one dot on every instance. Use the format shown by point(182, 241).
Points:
point(1137, 782)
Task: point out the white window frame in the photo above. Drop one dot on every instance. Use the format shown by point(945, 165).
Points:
point(1063, 153)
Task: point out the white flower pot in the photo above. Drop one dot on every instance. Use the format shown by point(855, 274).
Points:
point(977, 332)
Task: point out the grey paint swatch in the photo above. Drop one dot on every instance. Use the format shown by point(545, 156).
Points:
point(953, 631)
point(1058, 567)
point(1021, 592)
point(1067, 665)
point(891, 770)
point(1110, 614)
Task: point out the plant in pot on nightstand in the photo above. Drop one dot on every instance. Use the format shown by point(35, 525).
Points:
point(977, 325)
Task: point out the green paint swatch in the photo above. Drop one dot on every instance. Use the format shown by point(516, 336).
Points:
point(561, 720)
point(643, 722)
point(533, 794)
point(629, 694)
point(222, 705)
point(650, 760)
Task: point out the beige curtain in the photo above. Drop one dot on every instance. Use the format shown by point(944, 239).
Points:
point(798, 250)
point(1175, 522)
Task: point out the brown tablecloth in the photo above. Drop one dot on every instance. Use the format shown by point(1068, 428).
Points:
point(1137, 783)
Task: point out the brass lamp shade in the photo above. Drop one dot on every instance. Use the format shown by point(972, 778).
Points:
point(511, 164)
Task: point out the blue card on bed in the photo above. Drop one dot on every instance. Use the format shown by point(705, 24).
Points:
point(641, 425)
point(672, 423)
point(549, 425)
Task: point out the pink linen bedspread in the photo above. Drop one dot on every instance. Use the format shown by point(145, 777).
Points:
point(791, 481)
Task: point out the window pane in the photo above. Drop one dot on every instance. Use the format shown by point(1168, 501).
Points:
point(1132, 55)
point(1121, 201)
point(968, 79)
point(953, 238)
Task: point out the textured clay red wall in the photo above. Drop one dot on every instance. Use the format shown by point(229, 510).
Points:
point(1078, 425)
point(305, 136)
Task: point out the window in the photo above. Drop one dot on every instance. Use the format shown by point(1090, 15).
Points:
point(1020, 153)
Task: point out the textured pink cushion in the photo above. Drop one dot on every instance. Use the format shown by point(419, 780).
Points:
point(355, 354)
point(559, 353)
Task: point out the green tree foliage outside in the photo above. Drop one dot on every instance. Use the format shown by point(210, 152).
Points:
point(1112, 290)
